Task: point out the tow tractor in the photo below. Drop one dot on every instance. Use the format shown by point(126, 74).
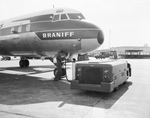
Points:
point(100, 76)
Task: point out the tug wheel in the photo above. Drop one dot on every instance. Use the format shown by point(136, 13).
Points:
point(116, 88)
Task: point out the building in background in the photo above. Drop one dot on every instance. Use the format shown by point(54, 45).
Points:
point(130, 52)
point(133, 52)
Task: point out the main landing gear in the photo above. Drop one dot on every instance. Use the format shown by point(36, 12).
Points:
point(24, 63)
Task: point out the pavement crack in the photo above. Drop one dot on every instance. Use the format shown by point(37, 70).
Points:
point(97, 102)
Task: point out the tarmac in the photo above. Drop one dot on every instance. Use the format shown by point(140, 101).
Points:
point(32, 93)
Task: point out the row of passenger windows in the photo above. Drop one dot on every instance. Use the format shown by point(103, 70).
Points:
point(19, 29)
point(58, 17)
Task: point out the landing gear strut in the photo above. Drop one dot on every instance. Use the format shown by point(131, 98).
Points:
point(60, 70)
point(24, 63)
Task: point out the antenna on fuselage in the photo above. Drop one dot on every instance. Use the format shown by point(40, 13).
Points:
point(52, 2)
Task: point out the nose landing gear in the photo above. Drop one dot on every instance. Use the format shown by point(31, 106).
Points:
point(63, 72)
point(60, 70)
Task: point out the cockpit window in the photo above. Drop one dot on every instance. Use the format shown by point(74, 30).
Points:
point(56, 18)
point(74, 16)
point(77, 16)
point(63, 17)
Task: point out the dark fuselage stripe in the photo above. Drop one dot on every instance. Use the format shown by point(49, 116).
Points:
point(67, 34)
point(67, 25)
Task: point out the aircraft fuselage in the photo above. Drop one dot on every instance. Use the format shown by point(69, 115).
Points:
point(47, 33)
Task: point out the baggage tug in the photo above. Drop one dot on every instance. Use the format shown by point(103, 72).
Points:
point(101, 76)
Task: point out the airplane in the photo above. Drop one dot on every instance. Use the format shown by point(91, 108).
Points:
point(44, 34)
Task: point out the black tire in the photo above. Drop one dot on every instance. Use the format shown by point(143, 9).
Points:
point(63, 72)
point(55, 71)
point(21, 63)
point(26, 62)
point(116, 88)
point(124, 82)
point(129, 67)
point(8, 58)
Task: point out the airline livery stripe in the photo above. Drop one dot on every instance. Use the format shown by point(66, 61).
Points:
point(66, 34)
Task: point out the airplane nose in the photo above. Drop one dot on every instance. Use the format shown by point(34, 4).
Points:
point(93, 37)
point(100, 37)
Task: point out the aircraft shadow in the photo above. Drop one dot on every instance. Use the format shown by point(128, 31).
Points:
point(24, 89)
point(29, 69)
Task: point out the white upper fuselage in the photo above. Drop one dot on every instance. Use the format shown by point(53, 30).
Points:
point(47, 32)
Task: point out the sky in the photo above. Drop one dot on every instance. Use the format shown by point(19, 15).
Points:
point(123, 22)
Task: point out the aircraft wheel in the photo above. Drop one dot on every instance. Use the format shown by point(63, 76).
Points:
point(26, 62)
point(63, 72)
point(55, 71)
point(21, 63)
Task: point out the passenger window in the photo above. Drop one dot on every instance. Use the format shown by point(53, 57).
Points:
point(1, 25)
point(19, 28)
point(51, 16)
point(13, 31)
point(28, 28)
point(63, 17)
point(56, 18)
